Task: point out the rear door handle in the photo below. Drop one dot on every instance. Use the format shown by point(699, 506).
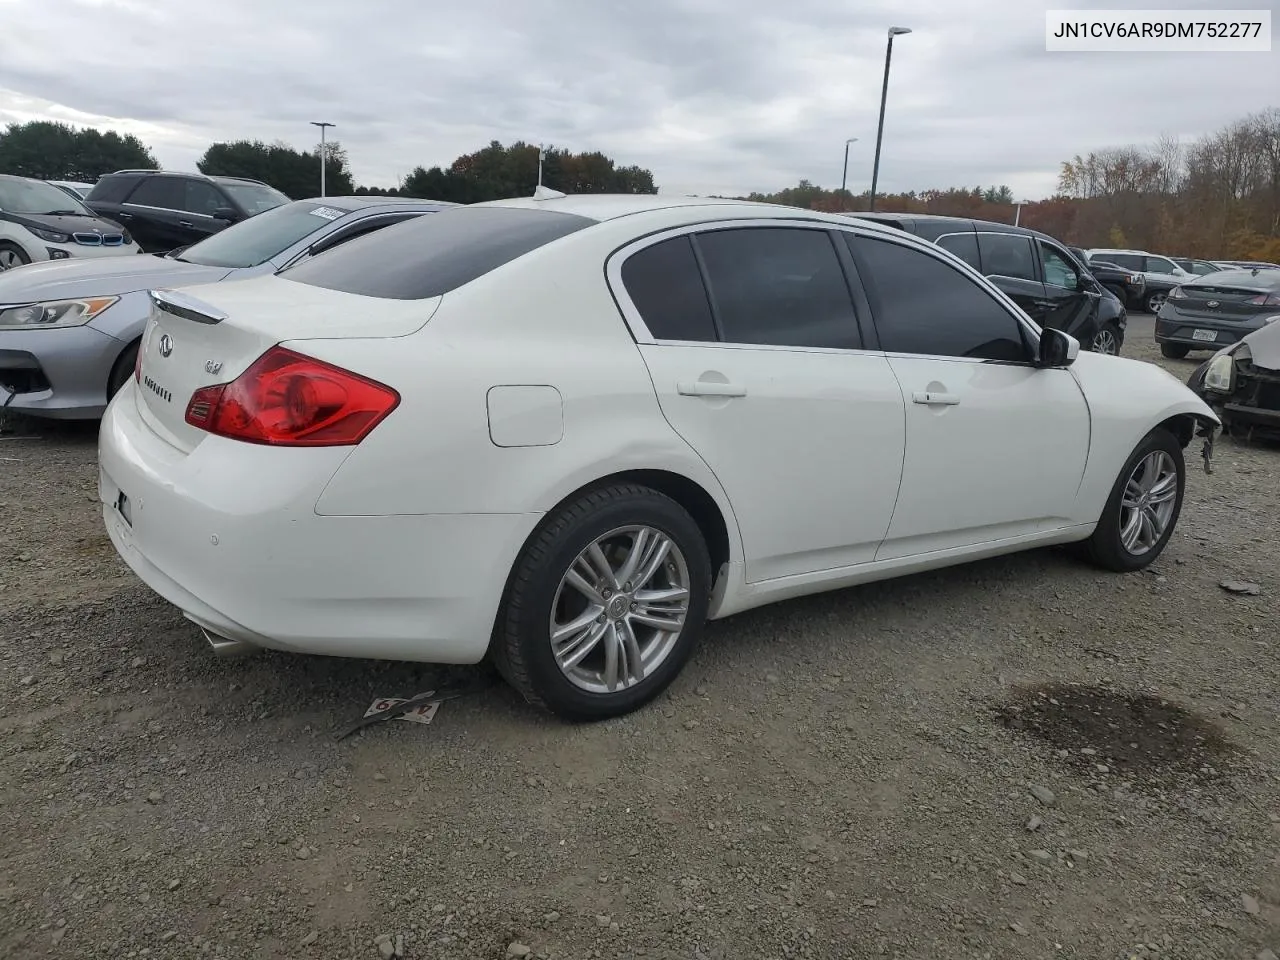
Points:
point(935, 399)
point(709, 388)
point(184, 223)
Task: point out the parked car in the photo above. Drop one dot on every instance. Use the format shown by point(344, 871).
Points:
point(1197, 268)
point(1217, 310)
point(76, 189)
point(165, 210)
point(1241, 382)
point(1251, 264)
point(40, 222)
point(1160, 273)
point(70, 331)
point(1127, 286)
point(564, 432)
point(1033, 269)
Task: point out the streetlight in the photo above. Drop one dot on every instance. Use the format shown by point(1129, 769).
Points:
point(844, 176)
point(323, 157)
point(884, 93)
point(1017, 211)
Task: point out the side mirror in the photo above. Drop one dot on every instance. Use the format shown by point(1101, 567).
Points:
point(226, 213)
point(1057, 349)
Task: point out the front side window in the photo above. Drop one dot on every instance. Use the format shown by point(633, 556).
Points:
point(964, 246)
point(1007, 255)
point(666, 286)
point(779, 286)
point(1058, 270)
point(1160, 265)
point(928, 307)
point(202, 198)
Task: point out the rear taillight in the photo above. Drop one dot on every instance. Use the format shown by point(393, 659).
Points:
point(290, 400)
point(1265, 300)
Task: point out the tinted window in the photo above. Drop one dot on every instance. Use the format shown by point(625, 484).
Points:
point(168, 193)
point(665, 284)
point(925, 306)
point(964, 246)
point(1126, 260)
point(1058, 269)
point(1160, 265)
point(779, 286)
point(429, 256)
point(112, 189)
point(201, 197)
point(1007, 255)
point(254, 197)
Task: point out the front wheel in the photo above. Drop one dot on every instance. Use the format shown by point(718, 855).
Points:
point(1143, 507)
point(1174, 351)
point(12, 255)
point(1107, 339)
point(605, 604)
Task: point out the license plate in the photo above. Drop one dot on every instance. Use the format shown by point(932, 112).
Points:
point(123, 508)
point(1209, 335)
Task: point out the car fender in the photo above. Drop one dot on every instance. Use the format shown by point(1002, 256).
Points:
point(1127, 399)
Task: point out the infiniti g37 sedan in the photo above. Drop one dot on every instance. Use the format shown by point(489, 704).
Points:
point(564, 432)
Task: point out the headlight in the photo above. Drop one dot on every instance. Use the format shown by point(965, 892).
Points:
point(1220, 375)
point(1177, 293)
point(50, 236)
point(54, 313)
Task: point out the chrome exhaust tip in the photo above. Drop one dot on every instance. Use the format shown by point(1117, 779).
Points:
point(226, 647)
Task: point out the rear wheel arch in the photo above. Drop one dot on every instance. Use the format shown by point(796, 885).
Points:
point(122, 369)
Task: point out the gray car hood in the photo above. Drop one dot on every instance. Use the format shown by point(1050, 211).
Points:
point(101, 277)
point(1264, 345)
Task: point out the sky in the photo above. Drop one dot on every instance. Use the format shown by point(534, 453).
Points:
point(713, 96)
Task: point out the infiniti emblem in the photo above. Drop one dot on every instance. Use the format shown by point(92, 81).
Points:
point(166, 345)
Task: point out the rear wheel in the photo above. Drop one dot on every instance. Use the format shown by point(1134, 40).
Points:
point(605, 604)
point(123, 369)
point(1143, 507)
point(12, 255)
point(1107, 339)
point(1174, 351)
point(1155, 301)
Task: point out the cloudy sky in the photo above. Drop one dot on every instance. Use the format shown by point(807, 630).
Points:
point(714, 96)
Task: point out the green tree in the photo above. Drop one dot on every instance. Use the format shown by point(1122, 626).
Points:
point(293, 173)
point(58, 151)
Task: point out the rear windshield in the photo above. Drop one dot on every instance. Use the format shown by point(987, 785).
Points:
point(258, 239)
point(429, 256)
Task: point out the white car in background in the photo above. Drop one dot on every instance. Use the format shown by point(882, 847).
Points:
point(563, 432)
point(39, 221)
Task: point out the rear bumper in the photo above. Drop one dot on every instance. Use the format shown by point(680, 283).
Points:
point(1181, 330)
point(59, 373)
point(228, 534)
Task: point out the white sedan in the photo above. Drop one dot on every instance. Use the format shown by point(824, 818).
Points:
point(564, 432)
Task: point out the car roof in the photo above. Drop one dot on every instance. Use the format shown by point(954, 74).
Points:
point(353, 203)
point(973, 223)
point(609, 206)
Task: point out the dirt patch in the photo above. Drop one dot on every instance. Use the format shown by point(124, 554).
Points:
point(1145, 736)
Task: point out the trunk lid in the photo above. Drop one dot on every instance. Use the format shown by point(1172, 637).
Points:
point(199, 336)
point(1226, 297)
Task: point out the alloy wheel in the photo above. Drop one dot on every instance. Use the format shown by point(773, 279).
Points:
point(1105, 342)
point(1155, 302)
point(620, 609)
point(1148, 502)
point(10, 259)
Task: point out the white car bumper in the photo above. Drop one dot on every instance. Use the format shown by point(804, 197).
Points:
point(229, 534)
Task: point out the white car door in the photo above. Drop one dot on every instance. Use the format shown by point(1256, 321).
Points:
point(996, 446)
point(752, 339)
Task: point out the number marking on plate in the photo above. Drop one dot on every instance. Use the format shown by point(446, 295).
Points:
point(1204, 335)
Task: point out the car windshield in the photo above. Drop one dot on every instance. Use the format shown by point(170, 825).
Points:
point(254, 197)
point(36, 197)
point(258, 239)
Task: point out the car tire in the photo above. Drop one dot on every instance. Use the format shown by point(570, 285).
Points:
point(605, 523)
point(1174, 351)
point(1156, 470)
point(1154, 301)
point(122, 369)
point(1108, 339)
point(12, 255)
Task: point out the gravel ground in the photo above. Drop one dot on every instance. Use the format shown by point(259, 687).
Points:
point(1022, 758)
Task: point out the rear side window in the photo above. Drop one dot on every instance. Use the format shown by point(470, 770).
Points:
point(779, 286)
point(112, 189)
point(665, 284)
point(429, 256)
point(1007, 255)
point(167, 193)
point(1126, 260)
point(964, 246)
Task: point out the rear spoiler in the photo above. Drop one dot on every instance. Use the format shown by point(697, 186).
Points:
point(189, 308)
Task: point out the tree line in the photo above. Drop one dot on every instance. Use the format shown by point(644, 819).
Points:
point(1215, 197)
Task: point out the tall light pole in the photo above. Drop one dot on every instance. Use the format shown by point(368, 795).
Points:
point(884, 94)
point(323, 158)
point(844, 175)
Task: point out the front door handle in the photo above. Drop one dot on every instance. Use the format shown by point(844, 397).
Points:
point(124, 216)
point(709, 388)
point(184, 223)
point(935, 399)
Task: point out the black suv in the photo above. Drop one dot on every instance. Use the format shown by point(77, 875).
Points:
point(165, 210)
point(1033, 270)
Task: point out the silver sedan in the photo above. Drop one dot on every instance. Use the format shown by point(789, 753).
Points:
point(69, 330)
